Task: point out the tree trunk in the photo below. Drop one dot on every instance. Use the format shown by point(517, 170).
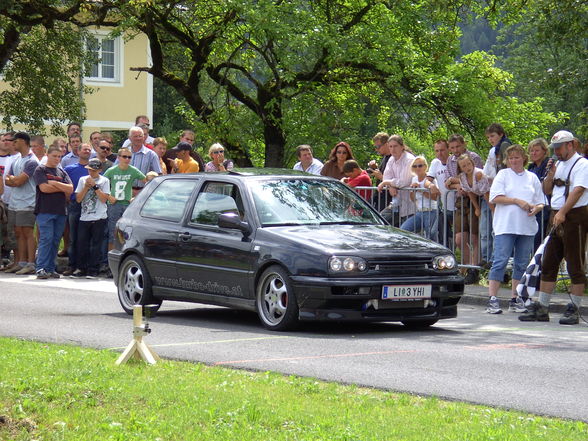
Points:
point(275, 142)
point(273, 133)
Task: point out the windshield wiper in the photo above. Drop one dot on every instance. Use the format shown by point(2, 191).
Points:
point(345, 222)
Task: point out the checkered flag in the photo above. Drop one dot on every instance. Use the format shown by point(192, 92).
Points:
point(530, 280)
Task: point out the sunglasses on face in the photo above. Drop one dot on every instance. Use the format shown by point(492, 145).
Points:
point(418, 165)
point(218, 152)
point(104, 148)
point(125, 156)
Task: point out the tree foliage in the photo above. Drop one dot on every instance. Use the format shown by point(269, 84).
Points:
point(547, 52)
point(262, 76)
point(286, 72)
point(41, 58)
point(42, 85)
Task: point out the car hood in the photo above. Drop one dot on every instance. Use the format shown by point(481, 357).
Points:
point(358, 239)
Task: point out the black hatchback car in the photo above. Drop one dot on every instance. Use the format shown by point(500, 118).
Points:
point(285, 244)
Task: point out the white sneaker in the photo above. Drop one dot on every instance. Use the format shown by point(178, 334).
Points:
point(493, 306)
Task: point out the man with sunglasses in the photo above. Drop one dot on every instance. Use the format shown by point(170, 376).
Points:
point(121, 176)
point(102, 154)
point(566, 181)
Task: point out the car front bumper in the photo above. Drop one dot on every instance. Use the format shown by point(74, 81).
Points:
point(360, 299)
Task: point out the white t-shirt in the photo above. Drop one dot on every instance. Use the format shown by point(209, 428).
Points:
point(578, 178)
point(422, 203)
point(92, 208)
point(439, 172)
point(510, 218)
point(490, 164)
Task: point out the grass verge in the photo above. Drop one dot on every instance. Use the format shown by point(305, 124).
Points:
point(56, 392)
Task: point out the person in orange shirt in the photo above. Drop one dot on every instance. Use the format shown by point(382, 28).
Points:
point(184, 163)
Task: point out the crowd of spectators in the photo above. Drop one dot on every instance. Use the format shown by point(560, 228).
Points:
point(74, 192)
point(490, 210)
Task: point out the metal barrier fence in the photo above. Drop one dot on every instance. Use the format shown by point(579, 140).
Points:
point(465, 228)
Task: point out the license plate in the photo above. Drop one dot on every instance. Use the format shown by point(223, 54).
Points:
point(406, 292)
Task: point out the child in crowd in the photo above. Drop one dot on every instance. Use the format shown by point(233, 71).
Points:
point(92, 192)
point(470, 183)
point(355, 176)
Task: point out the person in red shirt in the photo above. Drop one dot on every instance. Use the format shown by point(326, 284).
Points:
point(355, 176)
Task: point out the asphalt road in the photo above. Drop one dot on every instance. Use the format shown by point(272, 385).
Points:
point(479, 358)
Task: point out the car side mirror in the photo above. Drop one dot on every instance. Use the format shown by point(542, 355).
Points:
point(234, 222)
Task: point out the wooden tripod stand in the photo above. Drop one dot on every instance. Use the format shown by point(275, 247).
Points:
point(137, 348)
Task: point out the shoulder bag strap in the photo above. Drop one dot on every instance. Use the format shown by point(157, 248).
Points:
point(567, 189)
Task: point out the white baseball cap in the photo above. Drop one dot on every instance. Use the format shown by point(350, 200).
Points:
point(561, 137)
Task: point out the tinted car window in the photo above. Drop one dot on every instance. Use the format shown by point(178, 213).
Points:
point(215, 199)
point(168, 200)
point(298, 201)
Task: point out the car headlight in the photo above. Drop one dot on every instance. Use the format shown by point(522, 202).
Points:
point(445, 262)
point(340, 264)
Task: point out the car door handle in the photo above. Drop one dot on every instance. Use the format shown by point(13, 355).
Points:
point(185, 237)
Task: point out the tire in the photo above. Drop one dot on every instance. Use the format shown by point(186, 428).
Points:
point(419, 324)
point(134, 285)
point(275, 300)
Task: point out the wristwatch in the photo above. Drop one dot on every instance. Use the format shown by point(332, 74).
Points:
point(95, 187)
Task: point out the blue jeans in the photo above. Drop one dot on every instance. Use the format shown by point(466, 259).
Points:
point(422, 222)
point(51, 228)
point(504, 245)
point(485, 231)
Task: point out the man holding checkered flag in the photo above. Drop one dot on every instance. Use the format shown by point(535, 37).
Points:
point(566, 181)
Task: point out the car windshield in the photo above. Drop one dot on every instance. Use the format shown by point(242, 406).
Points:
point(308, 202)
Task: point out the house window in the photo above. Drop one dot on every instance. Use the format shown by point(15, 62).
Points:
point(106, 56)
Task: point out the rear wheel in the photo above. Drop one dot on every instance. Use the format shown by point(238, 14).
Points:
point(134, 285)
point(275, 300)
point(419, 324)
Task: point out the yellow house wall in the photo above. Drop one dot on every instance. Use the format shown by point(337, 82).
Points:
point(115, 106)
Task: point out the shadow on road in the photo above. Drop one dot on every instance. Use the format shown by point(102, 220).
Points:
point(221, 319)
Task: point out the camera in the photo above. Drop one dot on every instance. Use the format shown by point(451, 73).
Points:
point(369, 171)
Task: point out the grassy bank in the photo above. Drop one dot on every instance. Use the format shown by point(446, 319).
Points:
point(51, 392)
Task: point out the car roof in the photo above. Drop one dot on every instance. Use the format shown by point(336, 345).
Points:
point(252, 173)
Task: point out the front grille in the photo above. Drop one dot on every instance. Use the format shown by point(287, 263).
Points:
point(401, 266)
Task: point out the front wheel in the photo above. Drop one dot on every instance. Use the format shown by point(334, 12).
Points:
point(134, 285)
point(275, 300)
